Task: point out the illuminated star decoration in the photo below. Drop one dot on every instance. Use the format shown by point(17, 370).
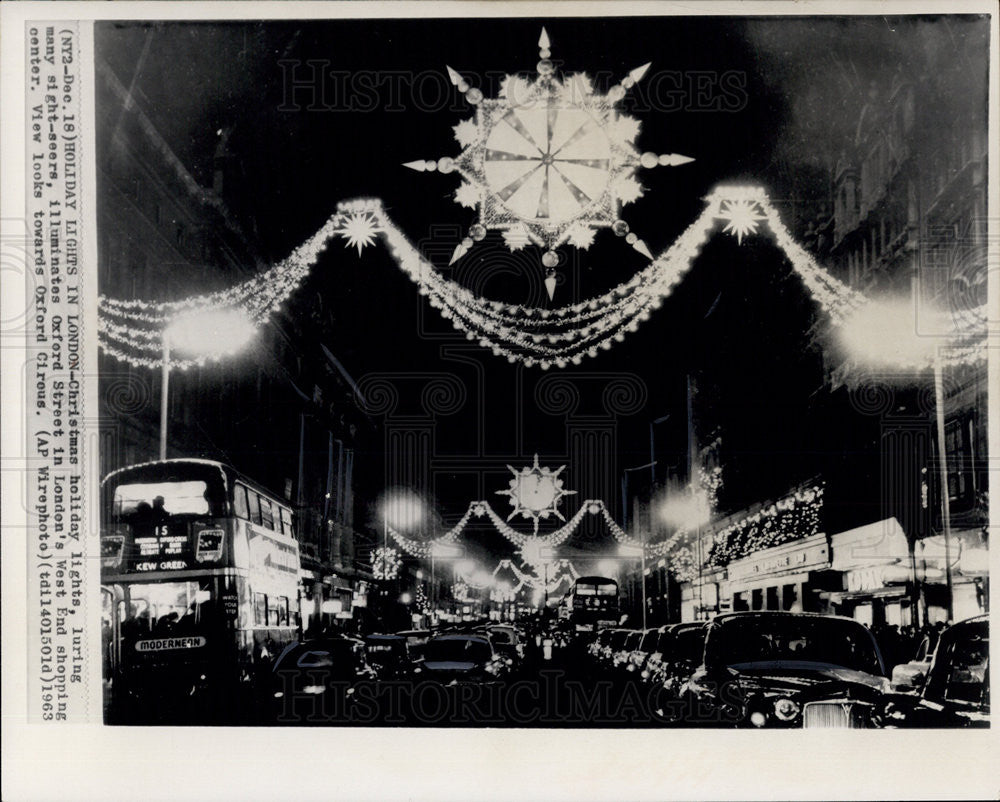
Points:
point(549, 161)
point(359, 229)
point(535, 493)
point(742, 216)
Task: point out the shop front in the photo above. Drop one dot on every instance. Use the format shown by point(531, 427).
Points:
point(705, 596)
point(788, 577)
point(874, 575)
point(966, 559)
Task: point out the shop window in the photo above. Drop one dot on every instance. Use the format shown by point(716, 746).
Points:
point(740, 602)
point(789, 596)
point(958, 440)
point(772, 599)
point(757, 599)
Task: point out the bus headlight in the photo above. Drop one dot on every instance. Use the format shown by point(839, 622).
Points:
point(785, 709)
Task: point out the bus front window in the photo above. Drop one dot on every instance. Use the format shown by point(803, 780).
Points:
point(154, 502)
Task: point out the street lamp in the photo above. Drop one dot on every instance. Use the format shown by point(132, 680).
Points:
point(440, 551)
point(897, 334)
point(690, 510)
point(402, 511)
point(625, 550)
point(207, 333)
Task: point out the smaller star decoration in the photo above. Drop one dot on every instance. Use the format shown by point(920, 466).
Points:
point(742, 217)
point(549, 161)
point(359, 229)
point(535, 493)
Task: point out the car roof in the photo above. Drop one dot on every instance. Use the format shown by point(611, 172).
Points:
point(725, 617)
point(461, 636)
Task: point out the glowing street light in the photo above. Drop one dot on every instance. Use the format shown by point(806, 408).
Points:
point(898, 333)
point(690, 510)
point(211, 333)
point(607, 568)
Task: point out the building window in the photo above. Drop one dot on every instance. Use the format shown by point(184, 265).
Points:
point(958, 440)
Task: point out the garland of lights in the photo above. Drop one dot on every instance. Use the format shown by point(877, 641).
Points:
point(793, 517)
point(420, 601)
point(440, 546)
point(385, 563)
point(132, 330)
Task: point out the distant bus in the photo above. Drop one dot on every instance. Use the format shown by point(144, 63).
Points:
point(200, 587)
point(593, 603)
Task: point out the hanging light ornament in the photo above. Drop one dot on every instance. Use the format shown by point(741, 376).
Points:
point(132, 330)
point(549, 161)
point(385, 563)
point(535, 492)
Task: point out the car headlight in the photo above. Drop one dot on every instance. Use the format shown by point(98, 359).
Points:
point(758, 719)
point(785, 709)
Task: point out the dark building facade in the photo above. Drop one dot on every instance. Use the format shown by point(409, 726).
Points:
point(165, 236)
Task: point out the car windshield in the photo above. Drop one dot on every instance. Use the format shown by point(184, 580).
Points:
point(461, 650)
point(649, 641)
point(742, 641)
point(502, 637)
point(338, 656)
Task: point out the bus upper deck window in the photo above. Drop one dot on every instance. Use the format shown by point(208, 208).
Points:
point(266, 515)
point(240, 506)
point(254, 507)
point(286, 522)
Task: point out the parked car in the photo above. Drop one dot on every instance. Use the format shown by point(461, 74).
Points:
point(508, 642)
point(615, 642)
point(388, 655)
point(760, 669)
point(638, 656)
point(679, 651)
point(314, 680)
point(910, 676)
point(956, 691)
point(597, 648)
point(620, 660)
point(460, 658)
point(416, 640)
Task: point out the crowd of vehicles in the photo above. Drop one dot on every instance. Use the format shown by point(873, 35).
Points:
point(798, 670)
point(200, 584)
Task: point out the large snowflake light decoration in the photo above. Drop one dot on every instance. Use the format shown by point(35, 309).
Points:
point(548, 161)
point(535, 492)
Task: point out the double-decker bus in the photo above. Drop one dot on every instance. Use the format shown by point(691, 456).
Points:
point(593, 603)
point(200, 580)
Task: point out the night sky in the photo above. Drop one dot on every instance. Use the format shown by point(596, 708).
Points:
point(740, 322)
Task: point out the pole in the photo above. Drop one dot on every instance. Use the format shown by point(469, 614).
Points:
point(164, 394)
point(943, 465)
point(433, 587)
point(642, 575)
point(701, 580)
